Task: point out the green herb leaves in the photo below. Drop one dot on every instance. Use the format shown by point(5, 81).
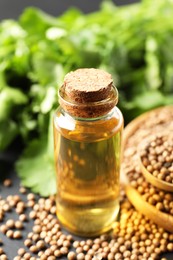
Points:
point(36, 168)
point(133, 43)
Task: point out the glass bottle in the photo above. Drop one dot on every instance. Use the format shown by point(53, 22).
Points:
point(87, 147)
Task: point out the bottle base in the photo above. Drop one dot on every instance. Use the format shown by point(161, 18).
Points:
point(88, 222)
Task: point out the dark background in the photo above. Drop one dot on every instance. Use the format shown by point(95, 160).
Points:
point(13, 8)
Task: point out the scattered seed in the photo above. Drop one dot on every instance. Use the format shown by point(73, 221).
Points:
point(3, 228)
point(28, 242)
point(7, 183)
point(17, 258)
point(21, 251)
point(32, 215)
point(23, 217)
point(57, 253)
point(1, 251)
point(22, 190)
point(9, 233)
point(64, 250)
point(3, 257)
point(17, 234)
point(71, 256)
point(10, 223)
point(18, 224)
point(80, 256)
point(27, 256)
point(30, 196)
point(33, 248)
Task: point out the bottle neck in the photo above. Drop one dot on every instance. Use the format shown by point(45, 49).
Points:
point(90, 110)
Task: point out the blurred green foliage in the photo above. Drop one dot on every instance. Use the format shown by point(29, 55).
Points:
point(133, 43)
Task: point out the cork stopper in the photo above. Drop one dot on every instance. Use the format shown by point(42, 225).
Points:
point(87, 85)
point(88, 93)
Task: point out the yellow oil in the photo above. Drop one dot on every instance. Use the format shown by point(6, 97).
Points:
point(87, 157)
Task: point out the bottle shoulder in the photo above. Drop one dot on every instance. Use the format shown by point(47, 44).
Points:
point(88, 129)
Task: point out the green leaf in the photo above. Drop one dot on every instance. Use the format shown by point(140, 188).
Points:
point(10, 98)
point(149, 100)
point(152, 62)
point(46, 70)
point(36, 21)
point(2, 80)
point(36, 168)
point(8, 132)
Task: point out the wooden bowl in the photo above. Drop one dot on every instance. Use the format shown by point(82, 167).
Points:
point(162, 219)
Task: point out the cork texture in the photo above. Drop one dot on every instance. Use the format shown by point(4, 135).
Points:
point(88, 93)
point(88, 85)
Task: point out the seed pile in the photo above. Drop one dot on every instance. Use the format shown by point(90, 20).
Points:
point(157, 157)
point(134, 236)
point(162, 119)
point(162, 200)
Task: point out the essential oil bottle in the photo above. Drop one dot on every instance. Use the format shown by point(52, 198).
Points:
point(87, 146)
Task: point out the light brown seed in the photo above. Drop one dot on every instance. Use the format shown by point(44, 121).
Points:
point(76, 244)
point(18, 224)
point(80, 256)
point(3, 228)
point(64, 250)
point(89, 242)
point(9, 233)
point(27, 256)
point(33, 248)
point(170, 247)
point(86, 248)
point(43, 257)
point(36, 229)
point(79, 249)
point(22, 217)
point(17, 234)
point(71, 256)
point(48, 252)
point(7, 182)
point(6, 207)
point(21, 251)
point(19, 210)
point(35, 237)
point(48, 239)
point(10, 223)
point(57, 253)
point(27, 242)
point(30, 196)
point(1, 251)
point(4, 257)
point(31, 203)
point(32, 214)
point(22, 190)
point(17, 258)
point(66, 243)
point(40, 244)
point(51, 257)
point(91, 252)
